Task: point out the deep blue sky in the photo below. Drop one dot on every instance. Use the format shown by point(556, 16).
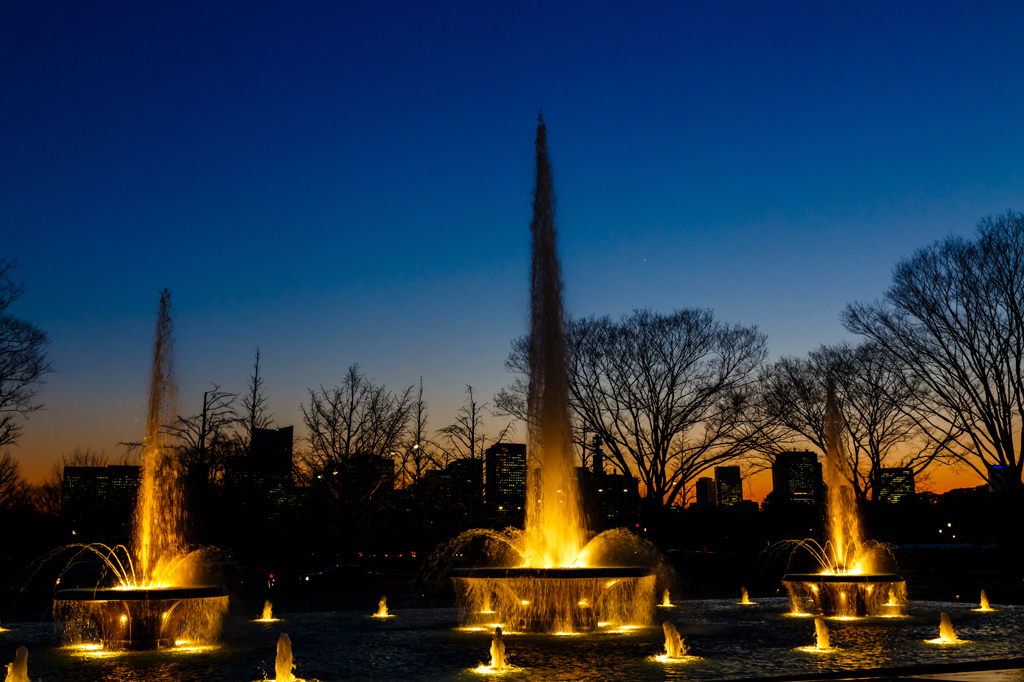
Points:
point(342, 182)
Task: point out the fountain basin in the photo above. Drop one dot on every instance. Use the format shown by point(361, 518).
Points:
point(853, 595)
point(555, 599)
point(141, 619)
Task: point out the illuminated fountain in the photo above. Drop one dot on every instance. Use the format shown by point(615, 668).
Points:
point(985, 606)
point(159, 597)
point(947, 635)
point(18, 670)
point(382, 608)
point(548, 577)
point(665, 601)
point(846, 585)
point(821, 638)
point(268, 613)
point(283, 664)
point(745, 598)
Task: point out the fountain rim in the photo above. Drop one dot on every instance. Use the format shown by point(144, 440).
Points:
point(558, 573)
point(842, 578)
point(141, 594)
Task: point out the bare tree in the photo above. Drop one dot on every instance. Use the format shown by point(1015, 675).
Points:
point(23, 360)
point(954, 318)
point(417, 453)
point(255, 411)
point(666, 394)
point(466, 436)
point(355, 431)
point(204, 438)
point(12, 485)
point(874, 397)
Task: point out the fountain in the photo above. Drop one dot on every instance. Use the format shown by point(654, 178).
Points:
point(665, 601)
point(382, 608)
point(18, 670)
point(268, 613)
point(745, 598)
point(846, 585)
point(985, 606)
point(821, 634)
point(547, 577)
point(947, 635)
point(497, 651)
point(283, 665)
point(159, 596)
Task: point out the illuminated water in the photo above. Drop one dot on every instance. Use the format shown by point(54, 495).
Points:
point(731, 641)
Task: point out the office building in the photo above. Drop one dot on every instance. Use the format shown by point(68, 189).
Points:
point(796, 478)
point(707, 492)
point(505, 465)
point(98, 503)
point(894, 485)
point(728, 486)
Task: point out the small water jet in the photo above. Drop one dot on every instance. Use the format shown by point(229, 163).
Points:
point(745, 598)
point(159, 596)
point(268, 613)
point(18, 670)
point(846, 585)
point(675, 646)
point(283, 664)
point(821, 634)
point(382, 608)
point(985, 606)
point(947, 635)
point(497, 651)
point(665, 602)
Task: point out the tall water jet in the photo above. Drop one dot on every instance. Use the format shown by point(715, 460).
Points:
point(552, 579)
point(283, 664)
point(497, 651)
point(846, 585)
point(18, 670)
point(555, 534)
point(675, 646)
point(158, 598)
point(821, 634)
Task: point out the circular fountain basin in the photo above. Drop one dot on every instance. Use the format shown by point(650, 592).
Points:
point(562, 573)
point(138, 619)
point(842, 578)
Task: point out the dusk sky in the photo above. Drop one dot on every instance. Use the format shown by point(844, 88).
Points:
point(349, 182)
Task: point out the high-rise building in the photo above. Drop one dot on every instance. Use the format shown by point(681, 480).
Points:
point(707, 492)
point(98, 503)
point(894, 484)
point(267, 468)
point(466, 478)
point(505, 465)
point(796, 477)
point(617, 500)
point(728, 485)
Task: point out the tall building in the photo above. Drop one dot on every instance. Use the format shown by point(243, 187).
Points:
point(466, 478)
point(796, 477)
point(617, 500)
point(505, 465)
point(728, 485)
point(267, 468)
point(707, 492)
point(98, 503)
point(894, 485)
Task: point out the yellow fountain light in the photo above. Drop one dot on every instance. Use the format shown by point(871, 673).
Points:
point(525, 602)
point(815, 650)
point(665, 658)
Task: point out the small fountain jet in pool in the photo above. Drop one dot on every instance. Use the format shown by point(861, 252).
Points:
point(284, 665)
point(382, 608)
point(745, 598)
point(985, 606)
point(268, 613)
point(18, 670)
point(821, 640)
point(665, 600)
point(947, 635)
point(675, 646)
point(548, 577)
point(158, 596)
point(497, 651)
point(845, 586)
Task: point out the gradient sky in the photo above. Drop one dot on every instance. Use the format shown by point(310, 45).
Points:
point(349, 182)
